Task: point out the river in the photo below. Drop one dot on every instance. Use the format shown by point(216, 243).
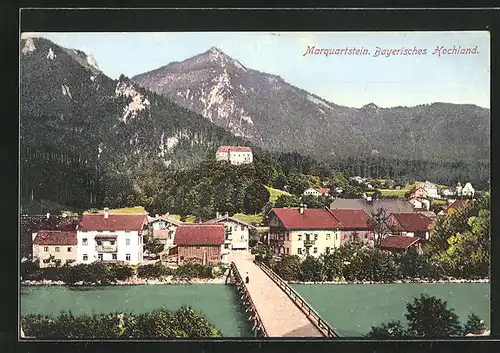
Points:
point(358, 306)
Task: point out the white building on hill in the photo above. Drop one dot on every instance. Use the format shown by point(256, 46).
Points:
point(234, 154)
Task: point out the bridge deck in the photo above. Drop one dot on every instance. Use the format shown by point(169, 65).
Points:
point(280, 316)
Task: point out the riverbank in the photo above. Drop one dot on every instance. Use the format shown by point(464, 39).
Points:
point(413, 281)
point(132, 281)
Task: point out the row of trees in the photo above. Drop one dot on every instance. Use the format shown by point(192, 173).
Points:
point(161, 323)
point(428, 317)
point(104, 274)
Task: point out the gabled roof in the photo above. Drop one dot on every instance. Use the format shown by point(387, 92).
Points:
point(56, 237)
point(323, 190)
point(231, 219)
point(234, 149)
point(352, 219)
point(200, 234)
point(398, 242)
point(411, 222)
point(456, 205)
point(389, 204)
point(291, 218)
point(164, 218)
point(114, 222)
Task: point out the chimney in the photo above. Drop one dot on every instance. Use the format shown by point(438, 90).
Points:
point(301, 209)
point(217, 214)
point(106, 212)
point(157, 215)
point(48, 215)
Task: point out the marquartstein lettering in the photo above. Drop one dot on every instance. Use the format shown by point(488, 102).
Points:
point(441, 50)
point(312, 50)
point(403, 51)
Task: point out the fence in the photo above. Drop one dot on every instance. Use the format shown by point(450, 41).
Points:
point(300, 302)
point(239, 280)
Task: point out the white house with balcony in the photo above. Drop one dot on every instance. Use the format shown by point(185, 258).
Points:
point(111, 237)
point(237, 232)
point(234, 154)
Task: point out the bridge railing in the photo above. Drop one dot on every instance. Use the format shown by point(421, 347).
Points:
point(254, 308)
point(316, 318)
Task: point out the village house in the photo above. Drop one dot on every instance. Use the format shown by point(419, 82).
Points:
point(417, 193)
point(390, 205)
point(234, 154)
point(237, 232)
point(31, 225)
point(163, 228)
point(412, 224)
point(302, 231)
point(51, 246)
point(468, 190)
point(199, 243)
point(455, 205)
point(111, 237)
point(401, 244)
point(354, 225)
point(430, 188)
point(317, 192)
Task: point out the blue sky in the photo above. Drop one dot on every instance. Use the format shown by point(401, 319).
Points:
point(347, 80)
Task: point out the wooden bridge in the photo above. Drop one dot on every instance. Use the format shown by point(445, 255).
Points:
point(276, 309)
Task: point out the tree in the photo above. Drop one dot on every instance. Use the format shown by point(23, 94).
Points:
point(429, 317)
point(311, 269)
point(281, 182)
point(378, 224)
point(474, 325)
point(153, 246)
point(392, 329)
point(287, 201)
point(256, 196)
point(288, 268)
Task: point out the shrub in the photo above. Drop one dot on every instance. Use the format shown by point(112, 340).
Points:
point(156, 270)
point(161, 323)
point(121, 272)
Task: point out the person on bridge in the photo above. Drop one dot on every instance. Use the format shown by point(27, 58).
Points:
point(247, 280)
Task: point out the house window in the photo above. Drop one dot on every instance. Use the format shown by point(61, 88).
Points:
point(328, 237)
point(45, 248)
point(127, 241)
point(127, 231)
point(327, 249)
point(115, 256)
point(299, 251)
point(315, 250)
point(300, 237)
point(99, 242)
point(287, 236)
point(287, 251)
point(127, 257)
point(69, 248)
point(226, 246)
point(366, 236)
point(85, 257)
point(161, 225)
point(170, 234)
point(112, 242)
point(242, 228)
point(57, 249)
point(182, 257)
point(315, 236)
point(100, 231)
point(85, 241)
point(336, 236)
point(242, 237)
point(100, 257)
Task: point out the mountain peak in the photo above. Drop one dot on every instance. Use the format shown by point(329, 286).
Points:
point(215, 50)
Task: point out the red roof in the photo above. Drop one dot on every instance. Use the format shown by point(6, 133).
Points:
point(456, 205)
point(200, 234)
point(323, 191)
point(56, 237)
point(311, 219)
point(113, 222)
point(411, 222)
point(352, 219)
point(234, 149)
point(398, 242)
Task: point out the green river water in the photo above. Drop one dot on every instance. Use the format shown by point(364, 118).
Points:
point(351, 309)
